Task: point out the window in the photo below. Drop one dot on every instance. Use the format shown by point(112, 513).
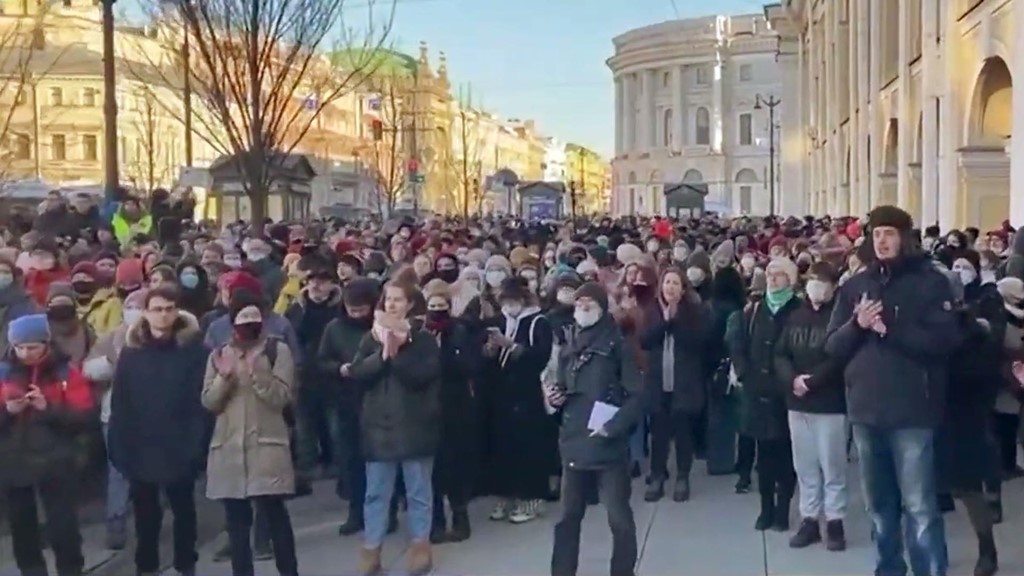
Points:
point(90, 147)
point(702, 76)
point(665, 78)
point(666, 130)
point(703, 132)
point(56, 97)
point(746, 134)
point(22, 147)
point(745, 199)
point(746, 72)
point(89, 97)
point(58, 147)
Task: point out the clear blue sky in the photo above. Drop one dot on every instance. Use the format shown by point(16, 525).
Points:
point(540, 59)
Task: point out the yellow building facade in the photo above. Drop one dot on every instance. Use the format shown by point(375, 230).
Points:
point(591, 175)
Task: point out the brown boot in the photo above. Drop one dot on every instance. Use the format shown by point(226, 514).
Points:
point(420, 560)
point(369, 562)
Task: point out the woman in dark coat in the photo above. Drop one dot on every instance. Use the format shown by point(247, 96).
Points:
point(765, 418)
point(521, 437)
point(728, 295)
point(455, 466)
point(967, 457)
point(674, 341)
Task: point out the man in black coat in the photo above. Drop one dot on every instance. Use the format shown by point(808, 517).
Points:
point(596, 374)
point(894, 327)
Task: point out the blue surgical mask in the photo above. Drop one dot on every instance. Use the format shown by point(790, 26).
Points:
point(6, 280)
point(189, 280)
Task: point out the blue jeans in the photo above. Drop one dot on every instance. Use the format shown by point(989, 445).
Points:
point(117, 491)
point(898, 471)
point(419, 495)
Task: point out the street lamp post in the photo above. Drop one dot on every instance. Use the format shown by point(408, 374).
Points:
point(771, 102)
point(111, 180)
point(572, 198)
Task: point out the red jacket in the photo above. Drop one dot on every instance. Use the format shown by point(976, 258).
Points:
point(37, 283)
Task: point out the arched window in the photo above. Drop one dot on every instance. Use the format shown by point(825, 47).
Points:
point(666, 130)
point(703, 132)
point(632, 178)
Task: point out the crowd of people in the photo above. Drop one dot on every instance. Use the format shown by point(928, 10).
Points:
point(424, 363)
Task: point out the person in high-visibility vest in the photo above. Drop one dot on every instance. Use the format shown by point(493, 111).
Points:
point(131, 220)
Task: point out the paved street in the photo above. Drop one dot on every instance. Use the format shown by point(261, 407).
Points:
point(711, 535)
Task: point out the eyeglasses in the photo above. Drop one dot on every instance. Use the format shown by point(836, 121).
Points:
point(163, 309)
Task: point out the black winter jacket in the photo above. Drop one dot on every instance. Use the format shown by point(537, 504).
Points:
point(597, 366)
point(897, 380)
point(401, 410)
point(338, 347)
point(801, 350)
point(689, 334)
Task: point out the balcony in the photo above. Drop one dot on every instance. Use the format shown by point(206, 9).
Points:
point(691, 151)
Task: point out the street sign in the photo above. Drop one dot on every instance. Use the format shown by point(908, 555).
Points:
point(417, 178)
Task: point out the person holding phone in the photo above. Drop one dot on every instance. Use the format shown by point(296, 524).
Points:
point(48, 405)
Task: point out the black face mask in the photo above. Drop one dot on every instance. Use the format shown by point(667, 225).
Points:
point(448, 276)
point(438, 315)
point(641, 291)
point(84, 288)
point(62, 312)
point(362, 321)
point(248, 332)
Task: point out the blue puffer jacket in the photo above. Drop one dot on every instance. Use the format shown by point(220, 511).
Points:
point(897, 380)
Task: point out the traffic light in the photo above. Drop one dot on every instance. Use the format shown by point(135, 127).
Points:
point(378, 130)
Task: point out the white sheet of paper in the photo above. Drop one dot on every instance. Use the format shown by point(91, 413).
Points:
point(600, 415)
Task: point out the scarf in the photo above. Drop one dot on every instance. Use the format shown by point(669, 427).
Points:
point(390, 332)
point(776, 299)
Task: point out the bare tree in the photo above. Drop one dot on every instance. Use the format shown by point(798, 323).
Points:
point(260, 74)
point(467, 161)
point(388, 155)
point(25, 58)
point(149, 165)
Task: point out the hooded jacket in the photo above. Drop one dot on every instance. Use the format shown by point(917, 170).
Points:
point(14, 303)
point(1014, 265)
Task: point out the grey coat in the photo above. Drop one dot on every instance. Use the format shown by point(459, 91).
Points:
point(249, 453)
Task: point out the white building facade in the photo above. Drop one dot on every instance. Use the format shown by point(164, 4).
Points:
point(686, 111)
point(906, 102)
point(554, 160)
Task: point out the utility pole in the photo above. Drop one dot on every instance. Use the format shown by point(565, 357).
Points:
point(415, 155)
point(111, 180)
point(771, 103)
point(186, 57)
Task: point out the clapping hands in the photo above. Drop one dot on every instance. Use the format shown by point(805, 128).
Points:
point(869, 315)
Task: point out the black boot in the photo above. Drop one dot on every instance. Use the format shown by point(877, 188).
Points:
point(438, 527)
point(835, 536)
point(946, 503)
point(460, 525)
point(996, 506)
point(808, 533)
point(767, 516)
point(681, 492)
point(743, 484)
point(988, 560)
point(655, 490)
point(352, 526)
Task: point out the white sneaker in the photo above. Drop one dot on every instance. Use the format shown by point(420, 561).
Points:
point(526, 511)
point(500, 511)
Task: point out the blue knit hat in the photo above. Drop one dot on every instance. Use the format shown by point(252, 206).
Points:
point(28, 329)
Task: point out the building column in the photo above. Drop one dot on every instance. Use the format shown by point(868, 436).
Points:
point(906, 125)
point(930, 74)
point(620, 115)
point(949, 118)
point(853, 94)
point(679, 111)
point(1017, 142)
point(647, 124)
point(789, 149)
point(629, 114)
point(859, 192)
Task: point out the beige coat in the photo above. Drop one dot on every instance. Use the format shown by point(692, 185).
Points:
point(249, 453)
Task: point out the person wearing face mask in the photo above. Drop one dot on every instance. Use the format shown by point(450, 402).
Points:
point(519, 433)
point(983, 299)
point(14, 301)
point(259, 262)
point(680, 252)
point(486, 307)
point(248, 384)
point(596, 367)
point(455, 466)
point(157, 430)
point(528, 271)
point(988, 264)
point(98, 307)
point(194, 284)
point(817, 412)
point(752, 338)
point(748, 262)
point(466, 290)
point(48, 405)
point(724, 256)
point(698, 273)
point(446, 268)
point(674, 341)
point(70, 332)
point(99, 369)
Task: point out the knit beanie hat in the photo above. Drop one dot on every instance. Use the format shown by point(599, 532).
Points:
point(129, 273)
point(58, 289)
point(28, 329)
point(1011, 289)
point(518, 256)
point(86, 268)
point(892, 217)
point(241, 281)
point(627, 253)
point(136, 299)
point(498, 262)
point(595, 292)
point(786, 266)
point(437, 288)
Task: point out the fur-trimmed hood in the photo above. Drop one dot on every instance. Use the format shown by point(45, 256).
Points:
point(333, 300)
point(186, 329)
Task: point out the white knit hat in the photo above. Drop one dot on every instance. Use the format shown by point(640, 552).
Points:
point(786, 266)
point(1011, 289)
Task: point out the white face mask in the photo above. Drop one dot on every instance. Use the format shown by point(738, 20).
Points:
point(566, 296)
point(257, 256)
point(587, 317)
point(512, 309)
point(131, 316)
point(818, 291)
point(233, 262)
point(695, 276)
point(680, 254)
point(967, 275)
point(748, 264)
point(652, 247)
point(494, 278)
